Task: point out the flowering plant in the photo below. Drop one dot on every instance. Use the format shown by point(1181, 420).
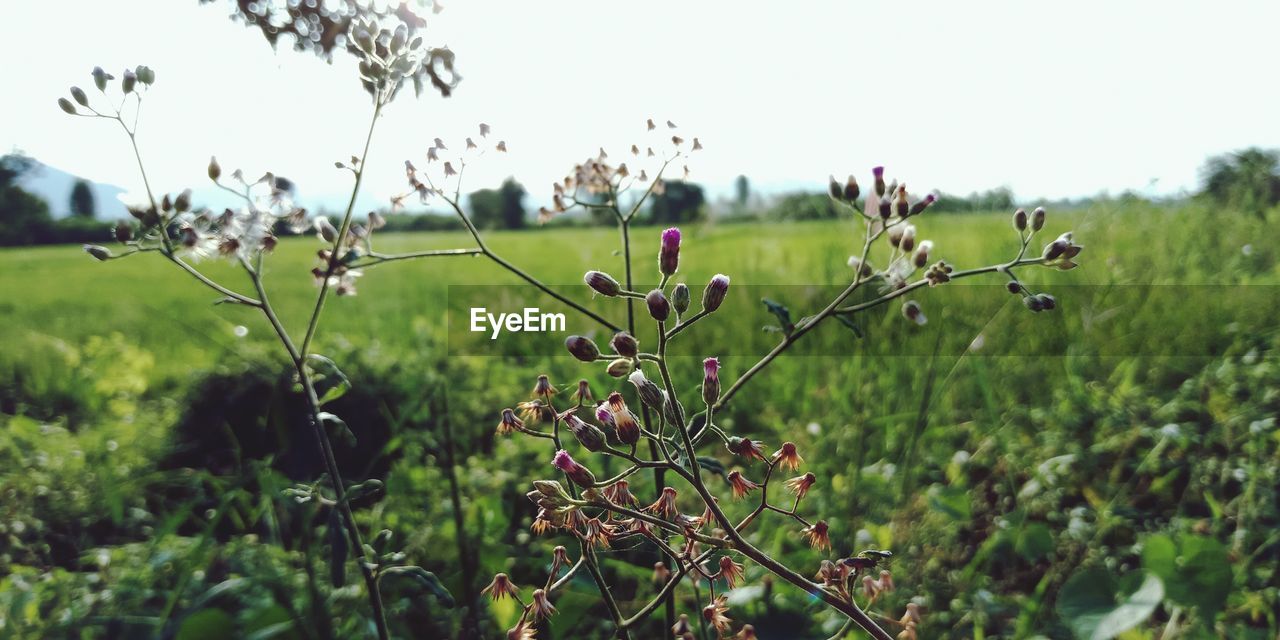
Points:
point(685, 522)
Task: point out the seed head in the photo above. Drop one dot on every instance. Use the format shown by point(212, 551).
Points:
point(501, 587)
point(746, 448)
point(542, 607)
point(215, 170)
point(800, 485)
point(911, 310)
point(731, 571)
point(543, 387)
point(787, 456)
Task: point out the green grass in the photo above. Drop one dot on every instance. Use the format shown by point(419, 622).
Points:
point(922, 445)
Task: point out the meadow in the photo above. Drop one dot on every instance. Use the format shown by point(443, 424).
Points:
point(1022, 467)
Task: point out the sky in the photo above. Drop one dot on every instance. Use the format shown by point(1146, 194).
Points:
point(1050, 99)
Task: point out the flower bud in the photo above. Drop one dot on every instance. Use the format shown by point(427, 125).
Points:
point(1020, 220)
point(576, 473)
point(851, 190)
point(123, 232)
point(66, 106)
point(602, 283)
point(624, 344)
point(649, 392)
point(878, 172)
point(863, 269)
point(659, 308)
point(710, 381)
point(900, 205)
point(834, 190)
point(1033, 303)
point(715, 292)
point(590, 436)
point(680, 298)
point(78, 95)
point(619, 367)
point(921, 256)
point(215, 170)
point(100, 78)
point(1047, 302)
point(669, 254)
point(326, 229)
point(911, 310)
point(1013, 286)
point(99, 252)
point(1056, 248)
point(886, 208)
point(582, 348)
point(551, 490)
point(1037, 219)
point(919, 207)
point(182, 203)
point(128, 81)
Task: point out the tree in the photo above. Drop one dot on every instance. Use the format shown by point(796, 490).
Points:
point(24, 218)
point(82, 204)
point(1248, 179)
point(741, 192)
point(501, 208)
point(679, 202)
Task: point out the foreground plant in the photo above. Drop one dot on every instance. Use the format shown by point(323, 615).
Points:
point(687, 524)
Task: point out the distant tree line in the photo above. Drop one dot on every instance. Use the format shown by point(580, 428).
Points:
point(25, 217)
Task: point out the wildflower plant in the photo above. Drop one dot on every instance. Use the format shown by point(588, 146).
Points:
point(702, 538)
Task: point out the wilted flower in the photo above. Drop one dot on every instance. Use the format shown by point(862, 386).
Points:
point(619, 493)
point(730, 571)
point(543, 387)
point(682, 630)
point(524, 630)
point(787, 456)
point(746, 448)
point(669, 253)
point(501, 587)
point(886, 581)
point(816, 535)
point(870, 588)
point(659, 308)
point(714, 294)
point(577, 473)
point(740, 485)
point(541, 607)
point(536, 411)
point(710, 381)
point(714, 614)
point(800, 485)
point(509, 423)
point(747, 632)
point(583, 396)
point(665, 505)
point(596, 533)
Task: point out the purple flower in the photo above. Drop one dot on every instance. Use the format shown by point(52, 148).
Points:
point(669, 254)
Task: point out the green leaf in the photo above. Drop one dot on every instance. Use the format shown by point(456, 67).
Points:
point(338, 549)
point(206, 624)
point(426, 580)
point(363, 494)
point(1196, 570)
point(1098, 606)
point(329, 381)
point(781, 313)
point(1035, 541)
point(340, 428)
point(951, 501)
point(848, 322)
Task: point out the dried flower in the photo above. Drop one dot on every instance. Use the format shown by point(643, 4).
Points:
point(714, 613)
point(542, 607)
point(740, 485)
point(886, 581)
point(582, 348)
point(619, 493)
point(787, 456)
point(747, 632)
point(603, 283)
point(665, 505)
point(911, 310)
point(816, 535)
point(800, 485)
point(509, 423)
point(746, 448)
point(501, 587)
point(543, 388)
point(731, 571)
point(659, 308)
point(583, 396)
point(669, 253)
point(596, 533)
point(682, 630)
point(870, 588)
point(524, 630)
point(714, 294)
point(710, 381)
point(576, 473)
point(661, 572)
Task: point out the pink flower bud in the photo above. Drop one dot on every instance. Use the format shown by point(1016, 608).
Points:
point(710, 381)
point(576, 473)
point(602, 283)
point(669, 254)
point(713, 296)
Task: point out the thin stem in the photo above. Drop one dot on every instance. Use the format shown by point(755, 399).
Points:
point(375, 259)
point(335, 257)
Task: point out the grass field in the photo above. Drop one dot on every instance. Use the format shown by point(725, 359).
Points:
point(1000, 478)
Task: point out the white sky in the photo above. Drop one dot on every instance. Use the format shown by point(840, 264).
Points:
point(1051, 99)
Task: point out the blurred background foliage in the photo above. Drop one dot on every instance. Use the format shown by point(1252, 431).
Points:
point(146, 439)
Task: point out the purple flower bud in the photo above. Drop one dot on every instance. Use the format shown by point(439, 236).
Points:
point(1037, 219)
point(710, 381)
point(1047, 302)
point(1013, 286)
point(624, 344)
point(1020, 220)
point(834, 190)
point(659, 308)
point(1033, 303)
point(919, 207)
point(604, 415)
point(878, 172)
point(582, 348)
point(602, 283)
point(851, 190)
point(648, 391)
point(577, 473)
point(715, 292)
point(669, 254)
point(591, 437)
